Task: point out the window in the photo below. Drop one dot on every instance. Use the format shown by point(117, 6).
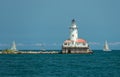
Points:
point(65, 43)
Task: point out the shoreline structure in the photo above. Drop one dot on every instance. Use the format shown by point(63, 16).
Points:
point(30, 52)
point(35, 52)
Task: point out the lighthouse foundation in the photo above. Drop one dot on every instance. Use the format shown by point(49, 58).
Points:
point(75, 50)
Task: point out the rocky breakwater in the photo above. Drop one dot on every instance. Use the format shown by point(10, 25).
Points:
point(28, 52)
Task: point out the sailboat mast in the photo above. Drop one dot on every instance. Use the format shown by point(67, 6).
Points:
point(13, 46)
point(106, 47)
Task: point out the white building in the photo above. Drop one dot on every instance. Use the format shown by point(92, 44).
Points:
point(75, 44)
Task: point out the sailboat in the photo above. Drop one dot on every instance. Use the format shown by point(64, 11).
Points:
point(106, 47)
point(13, 47)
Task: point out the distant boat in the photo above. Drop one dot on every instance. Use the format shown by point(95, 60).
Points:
point(106, 47)
point(13, 47)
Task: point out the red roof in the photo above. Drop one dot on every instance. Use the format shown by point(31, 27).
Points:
point(78, 40)
point(81, 41)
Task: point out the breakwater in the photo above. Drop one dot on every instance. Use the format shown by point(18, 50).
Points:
point(31, 52)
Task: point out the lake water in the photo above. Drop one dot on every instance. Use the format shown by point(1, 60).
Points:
point(98, 64)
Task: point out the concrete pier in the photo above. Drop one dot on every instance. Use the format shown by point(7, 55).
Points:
point(31, 52)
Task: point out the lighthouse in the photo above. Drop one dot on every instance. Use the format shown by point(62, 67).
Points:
point(74, 44)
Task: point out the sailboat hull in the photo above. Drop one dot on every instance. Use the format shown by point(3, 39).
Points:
point(106, 50)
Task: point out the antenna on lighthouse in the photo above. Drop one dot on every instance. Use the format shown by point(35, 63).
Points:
point(73, 20)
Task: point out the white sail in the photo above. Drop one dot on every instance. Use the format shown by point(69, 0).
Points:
point(13, 47)
point(106, 47)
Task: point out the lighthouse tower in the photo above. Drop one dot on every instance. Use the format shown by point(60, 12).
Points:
point(75, 44)
point(73, 31)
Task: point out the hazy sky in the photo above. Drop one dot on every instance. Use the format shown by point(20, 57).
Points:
point(44, 24)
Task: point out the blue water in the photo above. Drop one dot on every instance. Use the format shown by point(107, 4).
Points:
point(98, 64)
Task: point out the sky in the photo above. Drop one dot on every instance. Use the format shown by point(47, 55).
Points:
point(44, 24)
